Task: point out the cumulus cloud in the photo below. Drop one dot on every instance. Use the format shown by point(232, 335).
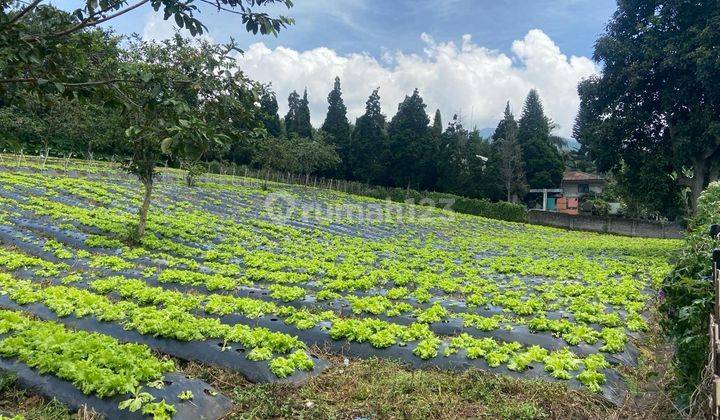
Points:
point(158, 29)
point(463, 78)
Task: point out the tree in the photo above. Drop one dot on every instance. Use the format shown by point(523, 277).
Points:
point(297, 154)
point(543, 162)
point(507, 126)
point(304, 127)
point(44, 59)
point(269, 113)
point(656, 104)
point(41, 46)
point(437, 128)
point(511, 167)
point(506, 164)
point(410, 160)
point(369, 139)
point(291, 118)
point(453, 165)
point(336, 125)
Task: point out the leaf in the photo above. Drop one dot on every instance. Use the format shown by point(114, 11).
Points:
point(166, 145)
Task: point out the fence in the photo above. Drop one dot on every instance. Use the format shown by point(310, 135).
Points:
point(244, 175)
point(715, 328)
point(614, 225)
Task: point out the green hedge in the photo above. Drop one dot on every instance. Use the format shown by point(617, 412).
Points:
point(688, 295)
point(480, 207)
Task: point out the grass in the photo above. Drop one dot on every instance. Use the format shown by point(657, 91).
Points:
point(15, 401)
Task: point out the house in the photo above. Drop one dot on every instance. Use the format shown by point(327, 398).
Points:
point(575, 184)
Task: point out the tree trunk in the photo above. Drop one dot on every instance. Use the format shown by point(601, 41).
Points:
point(144, 210)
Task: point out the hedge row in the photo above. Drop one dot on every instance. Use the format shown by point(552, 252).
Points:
point(480, 207)
point(688, 296)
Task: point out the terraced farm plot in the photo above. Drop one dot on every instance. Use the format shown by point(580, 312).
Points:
point(252, 278)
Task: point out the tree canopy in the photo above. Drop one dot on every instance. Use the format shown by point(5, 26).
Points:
point(651, 118)
point(336, 125)
point(543, 162)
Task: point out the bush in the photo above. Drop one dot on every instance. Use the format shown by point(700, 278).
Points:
point(689, 293)
point(476, 206)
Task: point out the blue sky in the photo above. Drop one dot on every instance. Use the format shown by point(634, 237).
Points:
point(376, 25)
point(467, 57)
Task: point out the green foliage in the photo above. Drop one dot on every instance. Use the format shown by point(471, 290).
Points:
point(297, 120)
point(186, 395)
point(159, 410)
point(337, 127)
point(113, 368)
point(297, 154)
point(658, 134)
point(479, 207)
point(689, 293)
point(506, 168)
point(269, 113)
point(409, 161)
point(542, 161)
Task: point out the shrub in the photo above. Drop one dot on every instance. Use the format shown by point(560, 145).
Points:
point(476, 206)
point(689, 292)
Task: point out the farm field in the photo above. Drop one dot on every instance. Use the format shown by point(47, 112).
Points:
point(275, 284)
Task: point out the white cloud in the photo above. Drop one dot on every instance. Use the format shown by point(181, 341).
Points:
point(158, 29)
point(466, 78)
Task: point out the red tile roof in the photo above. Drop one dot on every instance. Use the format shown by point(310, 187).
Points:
point(575, 176)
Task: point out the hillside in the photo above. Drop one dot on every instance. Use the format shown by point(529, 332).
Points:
point(249, 285)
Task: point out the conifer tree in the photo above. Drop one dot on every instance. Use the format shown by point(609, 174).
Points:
point(291, 118)
point(369, 140)
point(269, 115)
point(437, 128)
point(304, 127)
point(506, 169)
point(337, 126)
point(543, 162)
point(410, 160)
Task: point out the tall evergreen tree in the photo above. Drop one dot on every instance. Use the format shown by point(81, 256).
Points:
point(304, 127)
point(291, 118)
point(452, 167)
point(269, 115)
point(543, 162)
point(410, 150)
point(506, 170)
point(369, 139)
point(437, 128)
point(506, 126)
point(511, 169)
point(337, 126)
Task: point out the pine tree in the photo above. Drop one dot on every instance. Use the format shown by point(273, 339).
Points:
point(452, 168)
point(506, 126)
point(368, 143)
point(410, 159)
point(337, 126)
point(270, 117)
point(437, 128)
point(543, 163)
point(506, 171)
point(304, 127)
point(291, 118)
point(511, 166)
